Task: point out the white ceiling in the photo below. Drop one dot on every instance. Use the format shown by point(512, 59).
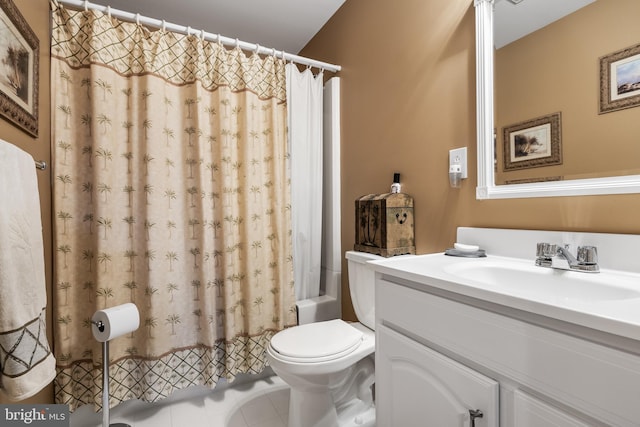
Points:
point(512, 22)
point(281, 24)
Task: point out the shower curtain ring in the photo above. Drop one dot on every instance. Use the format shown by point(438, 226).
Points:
point(237, 44)
point(137, 19)
point(202, 34)
point(257, 50)
point(109, 11)
point(86, 5)
point(164, 25)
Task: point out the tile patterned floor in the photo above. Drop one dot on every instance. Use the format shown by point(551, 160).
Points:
point(247, 403)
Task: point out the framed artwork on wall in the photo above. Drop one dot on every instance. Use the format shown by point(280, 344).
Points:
point(533, 143)
point(19, 65)
point(620, 80)
point(530, 180)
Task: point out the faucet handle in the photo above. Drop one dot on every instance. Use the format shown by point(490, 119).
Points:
point(546, 250)
point(587, 254)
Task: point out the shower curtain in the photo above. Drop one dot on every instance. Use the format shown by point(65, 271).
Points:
point(171, 192)
point(304, 99)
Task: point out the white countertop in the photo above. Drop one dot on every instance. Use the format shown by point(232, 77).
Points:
point(608, 301)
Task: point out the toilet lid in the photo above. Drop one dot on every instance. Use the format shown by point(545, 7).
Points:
point(315, 340)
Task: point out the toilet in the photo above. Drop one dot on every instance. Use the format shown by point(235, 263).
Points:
point(329, 365)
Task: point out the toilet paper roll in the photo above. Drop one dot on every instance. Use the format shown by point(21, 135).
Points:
point(116, 321)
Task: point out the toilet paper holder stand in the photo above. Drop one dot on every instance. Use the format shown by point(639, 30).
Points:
point(105, 380)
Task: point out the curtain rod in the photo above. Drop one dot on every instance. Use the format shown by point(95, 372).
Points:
point(157, 23)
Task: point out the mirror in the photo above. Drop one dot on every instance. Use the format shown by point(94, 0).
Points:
point(562, 176)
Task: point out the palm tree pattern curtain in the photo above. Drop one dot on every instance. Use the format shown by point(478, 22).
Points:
point(171, 192)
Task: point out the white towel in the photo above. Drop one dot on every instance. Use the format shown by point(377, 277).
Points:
point(26, 362)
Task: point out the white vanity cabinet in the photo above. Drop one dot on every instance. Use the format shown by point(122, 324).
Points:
point(531, 412)
point(440, 353)
point(417, 386)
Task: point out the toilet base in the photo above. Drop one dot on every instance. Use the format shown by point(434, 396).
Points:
point(318, 410)
point(348, 402)
point(359, 414)
point(312, 409)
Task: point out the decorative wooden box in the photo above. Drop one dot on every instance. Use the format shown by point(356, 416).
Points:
point(384, 224)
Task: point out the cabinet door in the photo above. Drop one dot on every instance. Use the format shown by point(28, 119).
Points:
point(531, 412)
point(417, 386)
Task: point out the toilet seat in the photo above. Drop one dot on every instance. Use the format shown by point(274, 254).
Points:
point(316, 342)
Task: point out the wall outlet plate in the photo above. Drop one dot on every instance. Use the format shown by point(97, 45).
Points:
point(459, 154)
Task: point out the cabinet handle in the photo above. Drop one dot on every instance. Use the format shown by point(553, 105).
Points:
point(475, 413)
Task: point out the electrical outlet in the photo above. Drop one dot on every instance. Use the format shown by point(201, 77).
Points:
point(459, 154)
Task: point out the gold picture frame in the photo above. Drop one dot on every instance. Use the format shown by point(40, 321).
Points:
point(19, 65)
point(533, 143)
point(618, 90)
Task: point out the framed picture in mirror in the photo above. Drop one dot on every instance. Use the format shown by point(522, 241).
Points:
point(19, 56)
point(620, 80)
point(533, 143)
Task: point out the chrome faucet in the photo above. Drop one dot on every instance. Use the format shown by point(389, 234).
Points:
point(559, 256)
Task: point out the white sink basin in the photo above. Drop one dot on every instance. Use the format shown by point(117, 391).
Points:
point(529, 281)
point(608, 301)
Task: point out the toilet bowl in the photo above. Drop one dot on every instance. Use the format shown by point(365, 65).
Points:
point(329, 365)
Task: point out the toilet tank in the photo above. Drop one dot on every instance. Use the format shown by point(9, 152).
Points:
point(362, 286)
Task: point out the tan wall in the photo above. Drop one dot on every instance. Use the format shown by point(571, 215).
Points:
point(408, 96)
point(557, 69)
point(36, 13)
